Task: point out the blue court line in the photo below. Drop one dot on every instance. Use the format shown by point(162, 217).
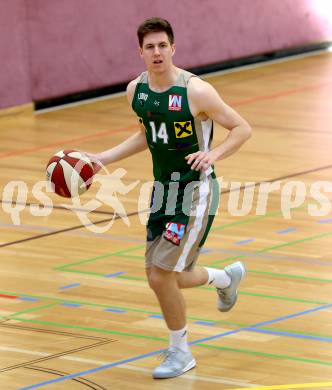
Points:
point(139, 357)
point(261, 324)
point(92, 370)
point(285, 231)
point(205, 323)
point(67, 304)
point(114, 275)
point(243, 242)
point(328, 220)
point(69, 286)
point(272, 256)
point(28, 299)
point(116, 310)
point(156, 316)
point(289, 334)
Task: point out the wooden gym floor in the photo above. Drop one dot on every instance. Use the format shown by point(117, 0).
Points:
point(76, 310)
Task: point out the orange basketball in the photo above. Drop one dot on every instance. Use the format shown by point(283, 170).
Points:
point(70, 173)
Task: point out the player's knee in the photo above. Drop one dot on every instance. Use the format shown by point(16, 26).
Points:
point(157, 278)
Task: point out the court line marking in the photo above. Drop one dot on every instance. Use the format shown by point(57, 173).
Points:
point(49, 356)
point(68, 286)
point(265, 354)
point(54, 332)
point(291, 334)
point(290, 299)
point(5, 296)
point(245, 241)
point(283, 333)
point(88, 383)
point(280, 332)
point(90, 329)
point(84, 138)
point(84, 303)
point(251, 328)
point(289, 276)
point(227, 381)
point(258, 272)
point(140, 357)
point(54, 232)
point(54, 206)
point(31, 310)
point(124, 253)
point(67, 304)
point(286, 231)
point(267, 249)
point(101, 134)
point(326, 220)
point(290, 386)
point(276, 95)
point(141, 241)
point(136, 213)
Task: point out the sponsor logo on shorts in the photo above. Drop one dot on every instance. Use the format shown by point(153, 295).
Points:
point(174, 232)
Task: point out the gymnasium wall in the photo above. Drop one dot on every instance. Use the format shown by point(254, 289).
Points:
point(54, 48)
point(15, 86)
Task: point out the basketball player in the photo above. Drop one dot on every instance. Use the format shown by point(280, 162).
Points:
point(176, 110)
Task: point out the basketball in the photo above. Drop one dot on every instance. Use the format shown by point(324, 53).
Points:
point(70, 172)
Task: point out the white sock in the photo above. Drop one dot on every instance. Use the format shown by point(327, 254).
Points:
point(218, 278)
point(178, 339)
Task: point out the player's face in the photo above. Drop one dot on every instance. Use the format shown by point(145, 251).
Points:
point(157, 52)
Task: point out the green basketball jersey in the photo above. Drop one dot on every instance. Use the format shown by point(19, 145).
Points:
point(171, 131)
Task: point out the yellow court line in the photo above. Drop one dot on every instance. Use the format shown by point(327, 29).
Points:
point(291, 386)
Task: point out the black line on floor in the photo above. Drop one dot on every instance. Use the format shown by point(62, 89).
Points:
point(14, 203)
point(277, 179)
point(289, 128)
point(54, 356)
point(63, 230)
point(83, 381)
point(136, 212)
point(56, 332)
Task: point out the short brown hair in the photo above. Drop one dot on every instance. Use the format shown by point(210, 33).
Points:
point(155, 24)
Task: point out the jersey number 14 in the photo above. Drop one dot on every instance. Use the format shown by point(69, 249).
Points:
point(161, 134)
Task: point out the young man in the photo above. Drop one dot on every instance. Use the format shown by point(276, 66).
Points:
point(176, 111)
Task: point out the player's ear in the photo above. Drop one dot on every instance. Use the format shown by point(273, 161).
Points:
point(173, 49)
point(140, 50)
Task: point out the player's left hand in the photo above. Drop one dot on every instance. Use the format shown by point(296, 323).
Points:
point(200, 160)
point(97, 164)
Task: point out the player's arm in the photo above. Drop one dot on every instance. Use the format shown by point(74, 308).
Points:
point(132, 145)
point(206, 102)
